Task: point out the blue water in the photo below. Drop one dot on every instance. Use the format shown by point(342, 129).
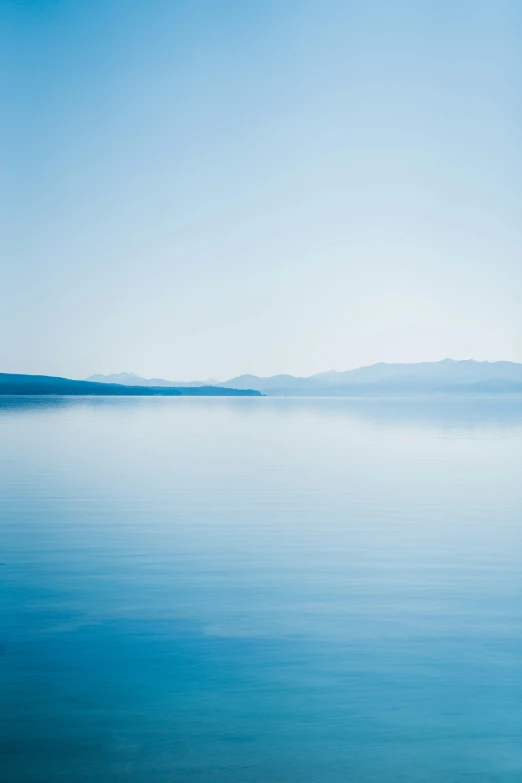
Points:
point(260, 591)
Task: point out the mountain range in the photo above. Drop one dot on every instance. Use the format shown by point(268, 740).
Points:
point(447, 377)
point(377, 380)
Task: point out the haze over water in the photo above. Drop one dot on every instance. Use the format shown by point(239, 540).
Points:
point(252, 590)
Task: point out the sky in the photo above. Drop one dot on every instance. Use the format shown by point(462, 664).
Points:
point(204, 188)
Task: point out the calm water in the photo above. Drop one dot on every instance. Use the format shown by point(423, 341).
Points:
point(260, 591)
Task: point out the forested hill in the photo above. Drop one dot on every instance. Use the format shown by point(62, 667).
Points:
point(45, 384)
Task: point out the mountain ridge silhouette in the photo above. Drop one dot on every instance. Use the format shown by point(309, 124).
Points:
point(381, 379)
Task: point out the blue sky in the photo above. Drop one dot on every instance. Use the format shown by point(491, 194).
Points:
point(197, 189)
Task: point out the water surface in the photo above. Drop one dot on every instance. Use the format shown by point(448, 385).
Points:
point(260, 590)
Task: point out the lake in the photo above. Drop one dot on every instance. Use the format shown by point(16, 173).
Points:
point(244, 590)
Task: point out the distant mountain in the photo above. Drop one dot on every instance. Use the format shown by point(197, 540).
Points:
point(45, 384)
point(445, 377)
point(130, 379)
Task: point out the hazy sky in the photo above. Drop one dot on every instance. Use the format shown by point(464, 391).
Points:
point(195, 189)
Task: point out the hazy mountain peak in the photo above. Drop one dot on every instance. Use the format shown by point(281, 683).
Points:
point(131, 379)
point(383, 378)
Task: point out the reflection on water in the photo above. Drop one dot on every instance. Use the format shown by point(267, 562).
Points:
point(260, 590)
point(439, 412)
